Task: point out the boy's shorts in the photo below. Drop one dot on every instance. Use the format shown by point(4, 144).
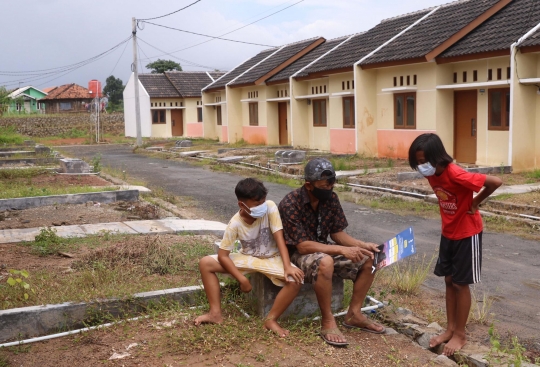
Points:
point(461, 259)
point(272, 267)
point(343, 267)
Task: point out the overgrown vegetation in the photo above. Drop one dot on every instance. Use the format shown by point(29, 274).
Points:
point(10, 136)
point(510, 353)
point(21, 188)
point(406, 276)
point(480, 311)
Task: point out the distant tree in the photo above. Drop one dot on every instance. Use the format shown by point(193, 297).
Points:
point(161, 66)
point(6, 101)
point(114, 89)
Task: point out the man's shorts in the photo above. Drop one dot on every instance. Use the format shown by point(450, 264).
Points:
point(343, 267)
point(461, 259)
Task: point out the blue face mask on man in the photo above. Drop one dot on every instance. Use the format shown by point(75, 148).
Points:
point(426, 169)
point(257, 211)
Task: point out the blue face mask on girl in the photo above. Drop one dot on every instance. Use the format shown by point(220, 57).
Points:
point(257, 211)
point(426, 169)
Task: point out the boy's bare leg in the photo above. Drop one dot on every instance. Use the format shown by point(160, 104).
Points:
point(463, 305)
point(284, 298)
point(360, 289)
point(209, 267)
point(451, 309)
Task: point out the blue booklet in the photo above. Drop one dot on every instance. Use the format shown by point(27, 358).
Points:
point(395, 249)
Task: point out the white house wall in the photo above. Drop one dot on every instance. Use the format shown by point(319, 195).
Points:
point(130, 123)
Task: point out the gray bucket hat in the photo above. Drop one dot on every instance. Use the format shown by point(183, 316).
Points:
point(318, 167)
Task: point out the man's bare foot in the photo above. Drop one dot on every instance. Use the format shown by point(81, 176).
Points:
point(331, 324)
point(439, 339)
point(208, 319)
point(274, 326)
point(456, 343)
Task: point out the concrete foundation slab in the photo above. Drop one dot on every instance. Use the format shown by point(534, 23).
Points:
point(183, 143)
point(18, 235)
point(149, 226)
point(100, 197)
point(69, 231)
point(232, 159)
point(195, 226)
point(114, 227)
point(26, 322)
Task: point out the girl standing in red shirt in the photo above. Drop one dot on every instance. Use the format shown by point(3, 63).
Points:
point(460, 253)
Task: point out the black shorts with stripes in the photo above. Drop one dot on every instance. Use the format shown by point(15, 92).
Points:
point(461, 259)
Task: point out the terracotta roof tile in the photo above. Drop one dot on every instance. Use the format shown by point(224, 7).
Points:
point(501, 30)
point(432, 31)
point(69, 91)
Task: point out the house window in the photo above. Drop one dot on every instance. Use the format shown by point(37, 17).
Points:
point(490, 74)
point(499, 74)
point(455, 77)
point(405, 111)
point(395, 81)
point(18, 106)
point(508, 72)
point(408, 80)
point(152, 104)
point(348, 112)
point(499, 108)
point(254, 114)
point(65, 106)
point(342, 85)
point(199, 114)
point(475, 75)
point(414, 79)
point(464, 77)
point(38, 106)
point(319, 112)
point(401, 81)
point(218, 115)
point(158, 116)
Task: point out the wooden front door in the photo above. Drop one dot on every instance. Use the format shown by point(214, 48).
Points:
point(282, 117)
point(465, 123)
point(177, 123)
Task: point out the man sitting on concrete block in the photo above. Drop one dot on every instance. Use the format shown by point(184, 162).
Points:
point(310, 214)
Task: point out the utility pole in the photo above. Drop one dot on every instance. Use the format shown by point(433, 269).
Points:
point(136, 82)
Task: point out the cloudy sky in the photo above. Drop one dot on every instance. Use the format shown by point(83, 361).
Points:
point(49, 34)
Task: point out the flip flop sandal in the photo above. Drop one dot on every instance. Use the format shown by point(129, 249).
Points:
point(324, 332)
point(364, 327)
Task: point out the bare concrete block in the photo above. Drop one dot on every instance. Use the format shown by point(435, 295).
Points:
point(264, 293)
point(290, 156)
point(193, 153)
point(183, 143)
point(154, 149)
point(42, 150)
point(73, 165)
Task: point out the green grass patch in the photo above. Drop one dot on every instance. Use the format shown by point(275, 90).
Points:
point(535, 175)
point(395, 204)
point(106, 265)
point(15, 173)
point(9, 136)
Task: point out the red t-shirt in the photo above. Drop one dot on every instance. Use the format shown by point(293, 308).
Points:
point(454, 189)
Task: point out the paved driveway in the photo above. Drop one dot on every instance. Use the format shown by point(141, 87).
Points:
point(511, 265)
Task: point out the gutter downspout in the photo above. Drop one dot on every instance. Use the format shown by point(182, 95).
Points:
point(369, 55)
point(513, 49)
point(513, 69)
point(291, 108)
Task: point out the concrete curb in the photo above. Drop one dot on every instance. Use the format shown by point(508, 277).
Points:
point(25, 322)
point(35, 161)
point(101, 197)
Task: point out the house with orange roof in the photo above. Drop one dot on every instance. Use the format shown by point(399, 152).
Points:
point(67, 98)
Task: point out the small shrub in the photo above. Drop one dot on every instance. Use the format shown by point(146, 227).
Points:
point(480, 309)
point(17, 280)
point(408, 275)
point(47, 242)
point(96, 162)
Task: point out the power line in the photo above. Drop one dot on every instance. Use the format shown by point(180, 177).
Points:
point(205, 35)
point(178, 58)
point(60, 68)
point(176, 11)
point(234, 30)
point(122, 54)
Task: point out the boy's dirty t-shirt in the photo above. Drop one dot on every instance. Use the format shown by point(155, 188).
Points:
point(256, 239)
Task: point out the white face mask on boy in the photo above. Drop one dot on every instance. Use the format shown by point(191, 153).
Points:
point(257, 211)
point(426, 169)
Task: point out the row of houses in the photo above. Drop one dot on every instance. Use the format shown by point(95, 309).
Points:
point(65, 98)
point(468, 71)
